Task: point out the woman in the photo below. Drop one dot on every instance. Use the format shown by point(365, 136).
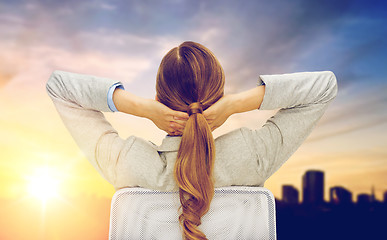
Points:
point(190, 103)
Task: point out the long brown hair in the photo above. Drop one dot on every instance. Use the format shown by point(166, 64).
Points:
point(191, 79)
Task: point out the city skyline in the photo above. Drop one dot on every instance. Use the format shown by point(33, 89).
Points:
point(313, 183)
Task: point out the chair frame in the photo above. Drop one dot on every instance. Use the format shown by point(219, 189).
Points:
point(222, 190)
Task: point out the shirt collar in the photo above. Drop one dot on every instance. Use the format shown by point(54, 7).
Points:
point(170, 144)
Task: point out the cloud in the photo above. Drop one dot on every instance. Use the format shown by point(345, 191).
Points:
point(5, 78)
point(108, 6)
point(40, 61)
point(249, 41)
point(348, 129)
point(253, 38)
point(7, 70)
point(356, 107)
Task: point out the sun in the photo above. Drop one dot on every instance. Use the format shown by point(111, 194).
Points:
point(43, 184)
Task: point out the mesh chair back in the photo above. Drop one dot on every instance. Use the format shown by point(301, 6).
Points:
point(235, 212)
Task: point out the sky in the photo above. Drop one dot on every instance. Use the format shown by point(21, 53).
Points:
point(126, 40)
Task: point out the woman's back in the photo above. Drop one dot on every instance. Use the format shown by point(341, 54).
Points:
point(243, 156)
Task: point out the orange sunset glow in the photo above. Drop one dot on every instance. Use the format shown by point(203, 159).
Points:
point(48, 188)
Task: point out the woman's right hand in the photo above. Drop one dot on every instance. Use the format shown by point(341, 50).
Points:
point(218, 112)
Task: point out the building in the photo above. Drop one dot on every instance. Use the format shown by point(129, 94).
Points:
point(313, 187)
point(363, 199)
point(373, 198)
point(289, 195)
point(340, 196)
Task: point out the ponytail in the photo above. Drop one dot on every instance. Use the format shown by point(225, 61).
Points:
point(194, 172)
point(190, 73)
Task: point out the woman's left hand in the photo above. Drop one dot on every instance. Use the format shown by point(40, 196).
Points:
point(171, 121)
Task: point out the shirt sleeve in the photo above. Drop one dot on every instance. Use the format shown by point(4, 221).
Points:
point(110, 102)
point(302, 99)
point(80, 101)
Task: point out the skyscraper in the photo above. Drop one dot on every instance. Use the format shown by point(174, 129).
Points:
point(373, 198)
point(289, 194)
point(313, 187)
point(340, 195)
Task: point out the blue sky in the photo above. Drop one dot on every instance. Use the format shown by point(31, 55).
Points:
point(127, 39)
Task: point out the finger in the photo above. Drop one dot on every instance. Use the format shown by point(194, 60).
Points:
point(175, 130)
point(180, 122)
point(207, 114)
point(213, 127)
point(172, 130)
point(180, 116)
point(177, 127)
point(208, 117)
point(176, 133)
point(209, 121)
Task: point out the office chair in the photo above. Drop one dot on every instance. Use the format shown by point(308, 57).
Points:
point(236, 212)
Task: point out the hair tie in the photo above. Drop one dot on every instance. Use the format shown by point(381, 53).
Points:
point(195, 107)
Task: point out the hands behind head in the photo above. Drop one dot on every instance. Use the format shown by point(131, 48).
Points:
point(219, 112)
point(173, 122)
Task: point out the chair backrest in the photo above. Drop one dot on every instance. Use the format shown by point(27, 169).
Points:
point(235, 212)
